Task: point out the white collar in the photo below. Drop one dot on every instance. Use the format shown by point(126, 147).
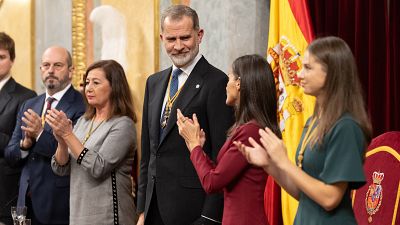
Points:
point(4, 81)
point(189, 68)
point(59, 94)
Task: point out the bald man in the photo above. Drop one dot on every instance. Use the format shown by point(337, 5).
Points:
point(32, 145)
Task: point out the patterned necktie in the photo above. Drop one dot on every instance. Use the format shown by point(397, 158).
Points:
point(173, 88)
point(49, 101)
point(174, 82)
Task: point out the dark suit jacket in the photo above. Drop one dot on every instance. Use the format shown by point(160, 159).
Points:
point(12, 95)
point(165, 164)
point(49, 192)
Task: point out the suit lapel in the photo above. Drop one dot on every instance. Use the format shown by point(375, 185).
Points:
point(65, 101)
point(192, 86)
point(5, 97)
point(156, 102)
point(64, 104)
point(37, 106)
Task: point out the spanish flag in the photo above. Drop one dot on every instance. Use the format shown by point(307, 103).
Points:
point(290, 31)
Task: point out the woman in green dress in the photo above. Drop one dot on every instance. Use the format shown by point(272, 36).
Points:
point(329, 158)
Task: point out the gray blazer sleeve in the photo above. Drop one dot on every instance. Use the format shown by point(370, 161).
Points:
point(114, 143)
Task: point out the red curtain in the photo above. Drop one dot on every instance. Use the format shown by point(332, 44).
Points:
point(371, 28)
point(393, 65)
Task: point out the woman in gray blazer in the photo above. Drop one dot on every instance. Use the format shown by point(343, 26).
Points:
point(98, 152)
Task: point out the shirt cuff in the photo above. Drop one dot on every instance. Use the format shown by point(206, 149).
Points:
point(37, 138)
point(208, 218)
point(24, 154)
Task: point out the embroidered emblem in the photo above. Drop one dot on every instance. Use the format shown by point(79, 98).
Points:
point(285, 62)
point(373, 198)
point(297, 104)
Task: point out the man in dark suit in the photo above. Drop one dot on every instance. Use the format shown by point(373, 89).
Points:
point(45, 194)
point(169, 190)
point(12, 95)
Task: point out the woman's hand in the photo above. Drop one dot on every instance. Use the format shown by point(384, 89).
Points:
point(255, 154)
point(189, 129)
point(275, 148)
point(61, 125)
point(140, 219)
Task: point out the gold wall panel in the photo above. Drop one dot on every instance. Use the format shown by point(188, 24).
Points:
point(142, 42)
point(142, 50)
point(20, 28)
point(78, 40)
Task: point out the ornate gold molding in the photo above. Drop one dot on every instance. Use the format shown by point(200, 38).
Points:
point(156, 35)
point(78, 40)
point(176, 2)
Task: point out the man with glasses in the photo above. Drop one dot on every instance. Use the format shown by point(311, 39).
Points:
point(12, 95)
point(33, 143)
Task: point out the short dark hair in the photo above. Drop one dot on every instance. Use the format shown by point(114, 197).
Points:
point(7, 43)
point(121, 97)
point(258, 98)
point(176, 12)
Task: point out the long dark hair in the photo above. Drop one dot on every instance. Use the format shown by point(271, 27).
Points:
point(121, 98)
point(342, 92)
point(258, 99)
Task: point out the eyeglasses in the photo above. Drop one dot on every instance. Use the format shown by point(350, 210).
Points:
point(57, 66)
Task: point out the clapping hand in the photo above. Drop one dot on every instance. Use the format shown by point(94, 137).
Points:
point(274, 146)
point(255, 154)
point(271, 152)
point(190, 130)
point(33, 124)
point(59, 122)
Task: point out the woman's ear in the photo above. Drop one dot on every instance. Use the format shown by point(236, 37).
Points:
point(238, 85)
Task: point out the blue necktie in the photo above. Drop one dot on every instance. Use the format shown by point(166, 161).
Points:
point(173, 88)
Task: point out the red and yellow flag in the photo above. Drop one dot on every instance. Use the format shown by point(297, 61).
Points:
point(290, 32)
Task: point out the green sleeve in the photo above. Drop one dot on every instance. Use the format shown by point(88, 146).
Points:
point(345, 146)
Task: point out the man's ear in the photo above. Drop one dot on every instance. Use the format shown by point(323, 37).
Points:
point(71, 71)
point(200, 35)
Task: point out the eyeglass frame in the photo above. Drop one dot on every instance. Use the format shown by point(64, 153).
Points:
point(57, 66)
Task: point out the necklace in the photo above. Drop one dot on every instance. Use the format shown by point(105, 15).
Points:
point(168, 105)
point(91, 130)
point(306, 139)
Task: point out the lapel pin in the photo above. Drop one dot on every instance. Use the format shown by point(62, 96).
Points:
point(197, 85)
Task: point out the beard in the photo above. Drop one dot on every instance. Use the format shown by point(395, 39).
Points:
point(51, 82)
point(55, 84)
point(182, 59)
point(51, 86)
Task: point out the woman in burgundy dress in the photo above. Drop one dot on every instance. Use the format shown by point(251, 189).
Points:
point(251, 91)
